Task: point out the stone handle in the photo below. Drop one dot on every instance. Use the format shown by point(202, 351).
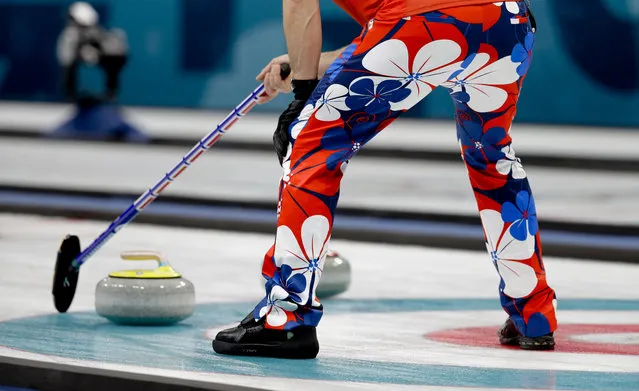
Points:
point(143, 255)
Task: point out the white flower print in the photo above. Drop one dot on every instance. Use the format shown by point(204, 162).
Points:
point(511, 6)
point(286, 175)
point(309, 262)
point(286, 166)
point(510, 164)
point(480, 81)
point(275, 307)
point(432, 65)
point(303, 118)
point(333, 101)
point(519, 279)
point(286, 171)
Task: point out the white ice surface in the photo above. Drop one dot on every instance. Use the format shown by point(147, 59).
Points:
point(411, 134)
point(372, 183)
point(28, 245)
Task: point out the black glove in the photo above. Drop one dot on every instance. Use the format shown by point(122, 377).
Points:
point(302, 90)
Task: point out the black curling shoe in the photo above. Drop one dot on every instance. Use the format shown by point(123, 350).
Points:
point(508, 335)
point(251, 338)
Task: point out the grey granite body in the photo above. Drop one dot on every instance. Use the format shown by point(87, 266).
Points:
point(145, 301)
point(336, 276)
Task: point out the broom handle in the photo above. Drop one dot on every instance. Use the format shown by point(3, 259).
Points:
point(154, 191)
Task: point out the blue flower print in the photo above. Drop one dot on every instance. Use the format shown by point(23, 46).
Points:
point(375, 98)
point(294, 284)
point(523, 216)
point(481, 148)
point(346, 142)
point(523, 54)
point(461, 96)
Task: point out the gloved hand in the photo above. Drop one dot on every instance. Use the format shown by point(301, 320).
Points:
point(281, 139)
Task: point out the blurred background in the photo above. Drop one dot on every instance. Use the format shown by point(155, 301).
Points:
point(205, 54)
point(185, 63)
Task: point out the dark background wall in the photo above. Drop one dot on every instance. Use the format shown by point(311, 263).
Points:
point(205, 53)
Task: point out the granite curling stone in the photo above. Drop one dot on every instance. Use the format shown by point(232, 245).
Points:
point(145, 297)
point(336, 276)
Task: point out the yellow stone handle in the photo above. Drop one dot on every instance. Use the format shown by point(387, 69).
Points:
point(143, 255)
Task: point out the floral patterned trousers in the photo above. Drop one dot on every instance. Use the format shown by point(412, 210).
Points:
point(481, 54)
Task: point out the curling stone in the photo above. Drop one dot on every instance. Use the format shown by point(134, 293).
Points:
point(145, 297)
point(336, 276)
